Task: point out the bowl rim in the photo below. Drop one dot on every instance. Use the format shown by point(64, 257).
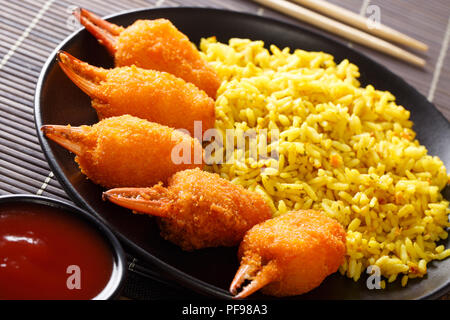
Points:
point(116, 281)
point(164, 268)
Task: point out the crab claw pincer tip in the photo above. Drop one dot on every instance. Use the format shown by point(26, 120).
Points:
point(69, 137)
point(83, 75)
point(105, 32)
point(151, 201)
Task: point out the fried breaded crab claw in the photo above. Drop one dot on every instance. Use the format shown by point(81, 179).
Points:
point(289, 255)
point(197, 209)
point(148, 94)
point(153, 44)
point(127, 151)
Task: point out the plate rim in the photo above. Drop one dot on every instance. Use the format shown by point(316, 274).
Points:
point(163, 267)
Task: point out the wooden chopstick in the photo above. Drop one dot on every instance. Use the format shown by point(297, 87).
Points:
point(342, 30)
point(363, 23)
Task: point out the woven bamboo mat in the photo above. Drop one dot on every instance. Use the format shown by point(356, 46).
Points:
point(31, 29)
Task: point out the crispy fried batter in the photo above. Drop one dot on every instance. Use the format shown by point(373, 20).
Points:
point(198, 209)
point(153, 44)
point(126, 151)
point(148, 94)
point(156, 96)
point(157, 44)
point(290, 254)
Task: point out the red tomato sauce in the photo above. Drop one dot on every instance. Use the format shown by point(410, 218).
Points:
point(47, 253)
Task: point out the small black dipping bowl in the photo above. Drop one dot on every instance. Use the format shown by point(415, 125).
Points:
point(113, 287)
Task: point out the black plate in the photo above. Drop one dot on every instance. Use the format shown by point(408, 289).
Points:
point(210, 271)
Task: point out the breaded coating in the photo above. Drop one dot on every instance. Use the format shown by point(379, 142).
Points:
point(198, 209)
point(157, 44)
point(148, 94)
point(127, 151)
point(290, 254)
point(153, 44)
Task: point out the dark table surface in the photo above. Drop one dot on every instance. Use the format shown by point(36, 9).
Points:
point(31, 29)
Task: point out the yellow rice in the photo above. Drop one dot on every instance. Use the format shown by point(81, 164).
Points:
point(343, 149)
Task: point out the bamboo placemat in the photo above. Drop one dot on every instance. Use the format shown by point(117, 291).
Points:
point(31, 29)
